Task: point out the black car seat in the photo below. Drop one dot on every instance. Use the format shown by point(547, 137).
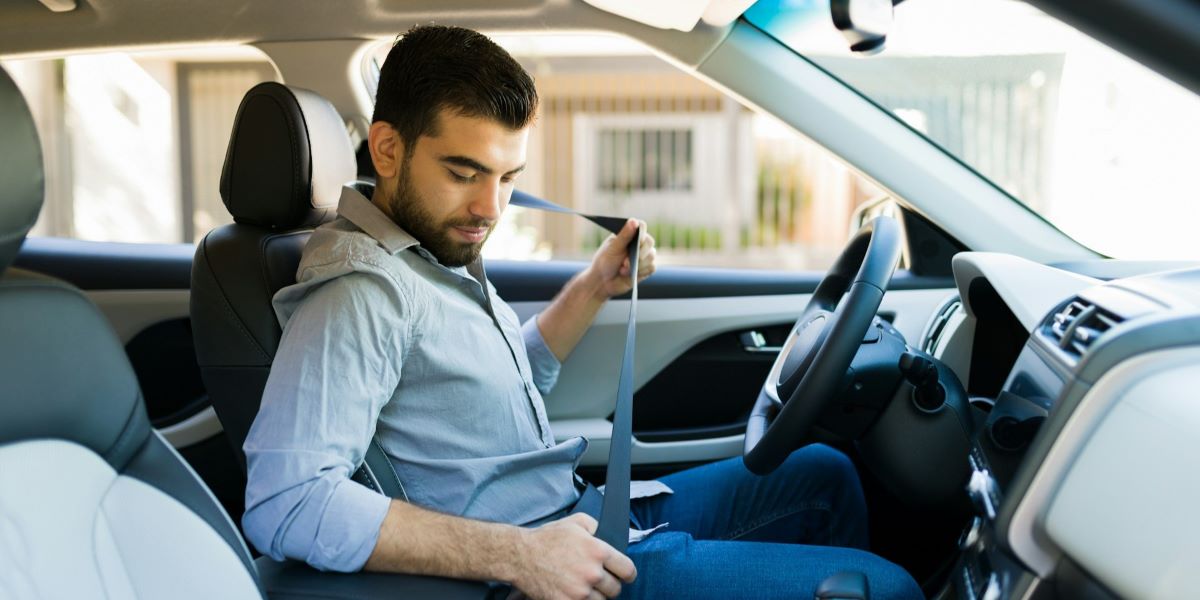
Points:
point(289, 156)
point(93, 502)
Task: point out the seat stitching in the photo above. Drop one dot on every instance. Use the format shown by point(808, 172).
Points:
point(367, 478)
point(126, 434)
point(228, 308)
point(292, 140)
point(96, 551)
point(100, 513)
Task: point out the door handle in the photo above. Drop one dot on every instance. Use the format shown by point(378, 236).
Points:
point(755, 342)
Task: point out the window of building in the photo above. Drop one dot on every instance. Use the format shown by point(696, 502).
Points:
point(642, 159)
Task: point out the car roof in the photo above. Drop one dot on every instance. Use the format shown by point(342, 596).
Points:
point(29, 28)
point(1163, 33)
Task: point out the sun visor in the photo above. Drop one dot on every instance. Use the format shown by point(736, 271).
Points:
point(675, 14)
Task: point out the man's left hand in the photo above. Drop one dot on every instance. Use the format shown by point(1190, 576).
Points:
point(610, 265)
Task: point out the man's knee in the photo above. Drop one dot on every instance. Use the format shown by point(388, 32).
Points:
point(831, 465)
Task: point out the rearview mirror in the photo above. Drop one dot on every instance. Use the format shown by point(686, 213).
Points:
point(864, 23)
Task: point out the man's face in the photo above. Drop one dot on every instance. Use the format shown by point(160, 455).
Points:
point(451, 189)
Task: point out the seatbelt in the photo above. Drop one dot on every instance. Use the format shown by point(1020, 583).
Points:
point(614, 510)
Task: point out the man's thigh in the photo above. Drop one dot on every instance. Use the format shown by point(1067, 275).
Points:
point(674, 565)
point(814, 497)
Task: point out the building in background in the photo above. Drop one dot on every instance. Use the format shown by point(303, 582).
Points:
point(134, 142)
point(623, 132)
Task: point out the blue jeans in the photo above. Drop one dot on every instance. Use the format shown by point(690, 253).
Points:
point(733, 534)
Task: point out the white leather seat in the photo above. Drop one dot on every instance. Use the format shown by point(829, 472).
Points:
point(93, 502)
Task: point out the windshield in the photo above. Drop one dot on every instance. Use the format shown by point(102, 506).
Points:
point(1097, 144)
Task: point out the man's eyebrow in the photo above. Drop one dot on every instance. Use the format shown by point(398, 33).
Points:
point(470, 163)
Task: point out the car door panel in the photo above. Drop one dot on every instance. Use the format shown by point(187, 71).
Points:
point(668, 329)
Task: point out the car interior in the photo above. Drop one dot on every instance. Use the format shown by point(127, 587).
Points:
point(1017, 403)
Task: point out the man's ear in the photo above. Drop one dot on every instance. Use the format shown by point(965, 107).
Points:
point(387, 149)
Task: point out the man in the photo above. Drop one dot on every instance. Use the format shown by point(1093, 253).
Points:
point(393, 333)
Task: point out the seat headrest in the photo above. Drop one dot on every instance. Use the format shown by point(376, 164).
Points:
point(289, 155)
point(22, 181)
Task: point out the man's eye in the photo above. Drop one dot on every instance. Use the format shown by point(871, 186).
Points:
point(461, 178)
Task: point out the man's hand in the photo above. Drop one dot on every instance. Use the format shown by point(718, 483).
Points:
point(562, 559)
point(609, 270)
point(563, 323)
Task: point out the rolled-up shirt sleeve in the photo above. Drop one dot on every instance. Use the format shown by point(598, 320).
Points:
point(337, 366)
point(542, 362)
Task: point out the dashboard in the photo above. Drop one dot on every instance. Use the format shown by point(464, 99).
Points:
point(1087, 429)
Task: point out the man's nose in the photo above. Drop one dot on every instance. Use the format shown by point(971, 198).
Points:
point(487, 203)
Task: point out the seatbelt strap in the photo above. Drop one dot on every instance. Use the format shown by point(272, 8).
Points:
point(614, 510)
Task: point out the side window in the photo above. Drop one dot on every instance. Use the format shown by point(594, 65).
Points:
point(623, 132)
point(133, 143)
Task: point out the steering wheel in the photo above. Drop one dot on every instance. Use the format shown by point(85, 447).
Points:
point(813, 362)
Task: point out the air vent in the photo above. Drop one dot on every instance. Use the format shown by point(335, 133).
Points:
point(937, 326)
point(1078, 325)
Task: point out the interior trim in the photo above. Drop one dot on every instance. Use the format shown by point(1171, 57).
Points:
point(194, 429)
point(1031, 290)
point(585, 394)
point(1134, 489)
point(131, 311)
point(1026, 536)
point(599, 435)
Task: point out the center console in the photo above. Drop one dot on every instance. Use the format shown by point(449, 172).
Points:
point(986, 571)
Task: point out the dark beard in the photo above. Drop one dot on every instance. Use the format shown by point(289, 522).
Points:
point(407, 210)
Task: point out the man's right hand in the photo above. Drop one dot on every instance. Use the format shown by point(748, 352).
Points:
point(562, 559)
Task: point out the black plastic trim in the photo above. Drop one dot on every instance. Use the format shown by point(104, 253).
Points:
point(690, 434)
point(110, 265)
point(296, 580)
point(163, 357)
point(518, 282)
point(122, 266)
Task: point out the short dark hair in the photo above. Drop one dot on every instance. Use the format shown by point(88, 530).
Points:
point(435, 67)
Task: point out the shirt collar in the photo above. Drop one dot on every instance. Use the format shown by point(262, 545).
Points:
point(363, 213)
point(357, 209)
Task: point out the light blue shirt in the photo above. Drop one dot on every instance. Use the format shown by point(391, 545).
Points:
point(379, 339)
